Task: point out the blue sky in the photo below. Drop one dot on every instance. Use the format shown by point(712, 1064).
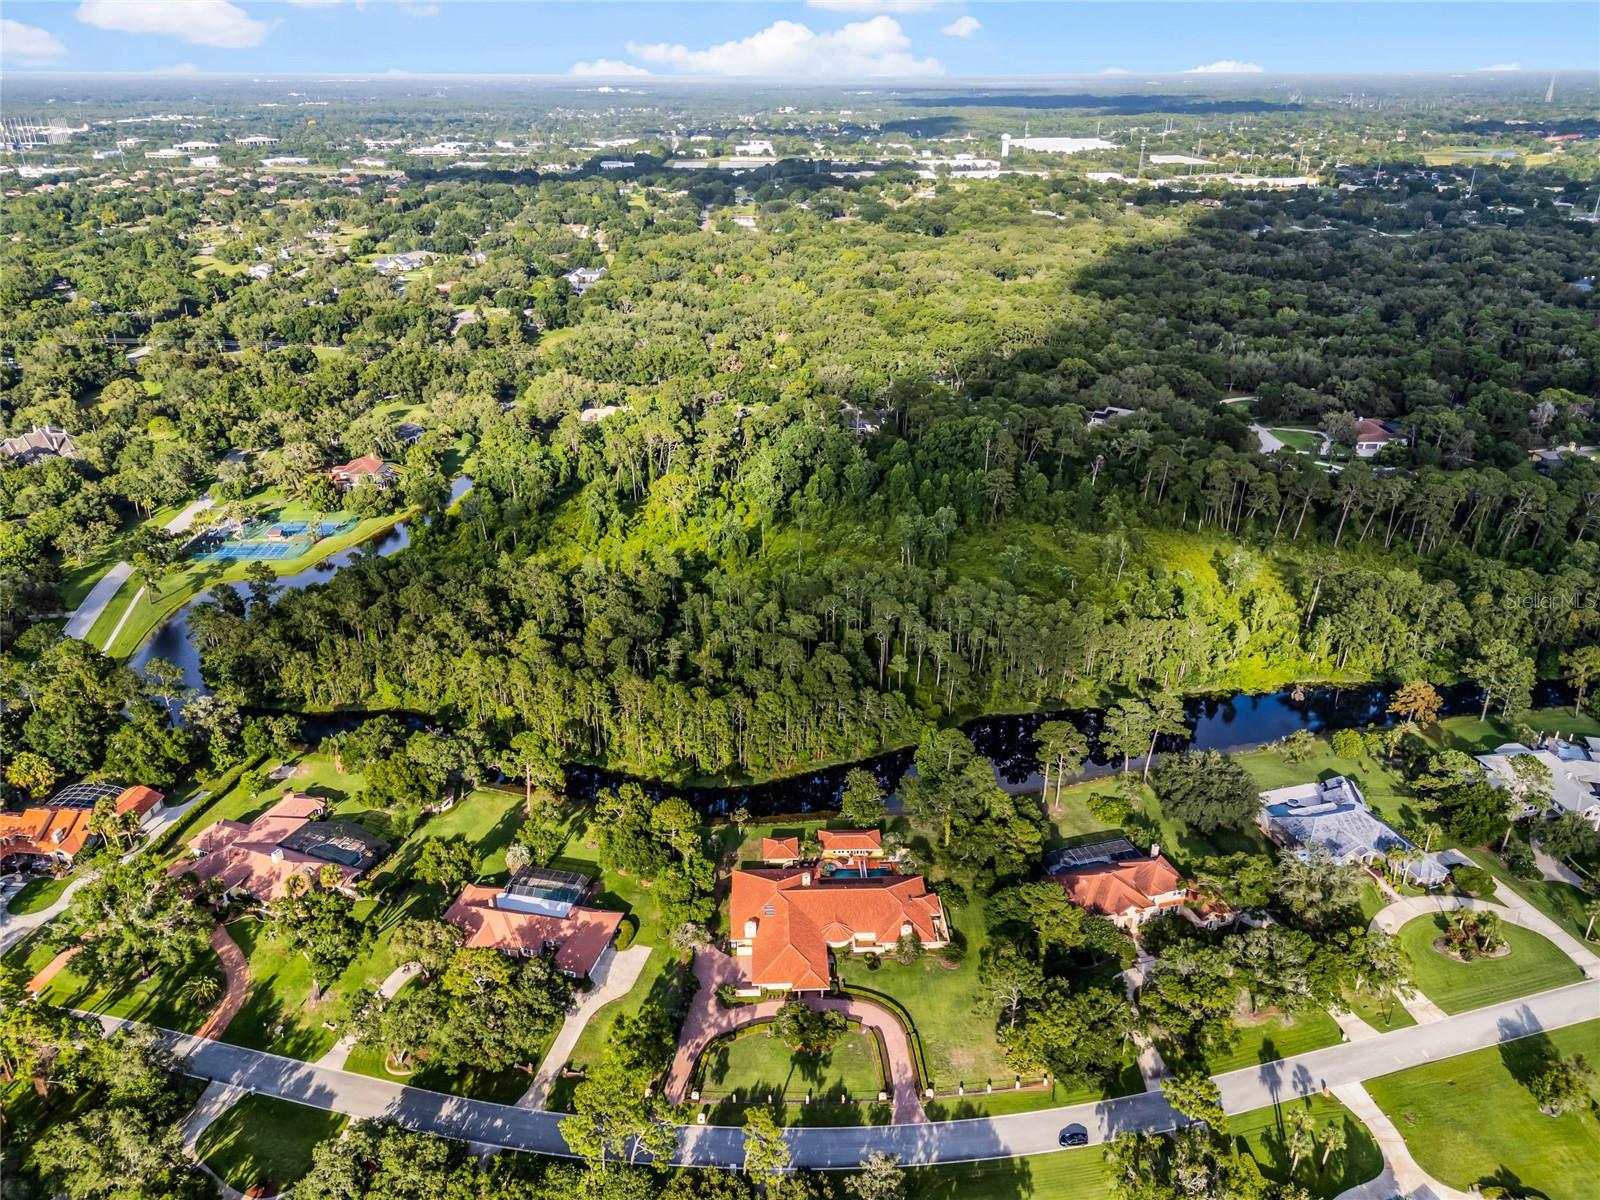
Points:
point(815, 39)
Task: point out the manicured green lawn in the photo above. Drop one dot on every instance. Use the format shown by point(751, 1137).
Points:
point(758, 1062)
point(1382, 1017)
point(946, 1005)
point(1298, 439)
point(1386, 791)
point(1561, 902)
point(1082, 1174)
point(1534, 965)
point(1277, 1037)
point(1470, 1120)
point(1075, 1174)
point(261, 1140)
point(159, 1000)
point(1072, 820)
point(277, 1015)
point(37, 894)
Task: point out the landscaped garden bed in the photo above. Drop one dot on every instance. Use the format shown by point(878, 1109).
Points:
point(1532, 964)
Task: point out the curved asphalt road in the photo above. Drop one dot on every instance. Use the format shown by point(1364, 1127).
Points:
point(940, 1141)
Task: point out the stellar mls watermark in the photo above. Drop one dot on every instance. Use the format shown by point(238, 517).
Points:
point(1558, 601)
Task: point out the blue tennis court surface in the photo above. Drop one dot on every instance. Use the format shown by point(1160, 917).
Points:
point(261, 540)
point(238, 550)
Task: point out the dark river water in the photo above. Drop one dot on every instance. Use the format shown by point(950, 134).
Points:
point(1237, 722)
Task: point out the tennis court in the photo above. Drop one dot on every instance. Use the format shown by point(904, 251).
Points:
point(227, 551)
point(262, 540)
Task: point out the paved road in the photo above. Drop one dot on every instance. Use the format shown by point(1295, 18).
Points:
point(513, 1128)
point(82, 620)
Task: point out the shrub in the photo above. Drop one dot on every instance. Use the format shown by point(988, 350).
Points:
point(727, 995)
point(1519, 860)
point(1348, 743)
point(627, 931)
point(1473, 881)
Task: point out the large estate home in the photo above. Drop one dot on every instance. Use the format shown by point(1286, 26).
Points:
point(538, 912)
point(787, 917)
point(346, 476)
point(1331, 815)
point(1574, 773)
point(50, 836)
point(1113, 879)
point(290, 839)
point(38, 444)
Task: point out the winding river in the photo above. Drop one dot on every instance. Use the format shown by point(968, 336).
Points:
point(1228, 723)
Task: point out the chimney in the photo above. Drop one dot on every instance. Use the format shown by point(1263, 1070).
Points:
point(277, 854)
point(905, 929)
point(1155, 849)
point(750, 929)
point(805, 879)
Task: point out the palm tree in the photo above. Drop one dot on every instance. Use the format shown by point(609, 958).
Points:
point(203, 989)
point(1592, 911)
point(1333, 1141)
point(1302, 1139)
point(1429, 831)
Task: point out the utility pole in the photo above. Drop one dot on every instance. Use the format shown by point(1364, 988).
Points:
point(1141, 156)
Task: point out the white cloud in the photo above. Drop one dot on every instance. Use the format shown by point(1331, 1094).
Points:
point(28, 44)
point(1503, 67)
point(1114, 71)
point(1225, 66)
point(314, 3)
point(412, 9)
point(962, 27)
point(875, 6)
point(183, 68)
point(786, 48)
point(606, 66)
point(202, 22)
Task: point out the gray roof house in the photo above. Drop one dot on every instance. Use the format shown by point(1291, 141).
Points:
point(1574, 773)
point(39, 443)
point(1332, 815)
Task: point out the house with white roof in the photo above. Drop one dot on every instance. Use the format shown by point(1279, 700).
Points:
point(1574, 773)
point(1332, 815)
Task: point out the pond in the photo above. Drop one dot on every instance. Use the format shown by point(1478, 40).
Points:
point(170, 640)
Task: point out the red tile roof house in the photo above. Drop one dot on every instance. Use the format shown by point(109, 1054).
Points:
point(252, 859)
point(141, 800)
point(44, 835)
point(784, 851)
point(1131, 890)
point(786, 920)
point(369, 466)
point(850, 844)
point(578, 938)
point(1371, 437)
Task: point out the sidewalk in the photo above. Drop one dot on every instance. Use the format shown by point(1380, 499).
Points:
point(1401, 1174)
